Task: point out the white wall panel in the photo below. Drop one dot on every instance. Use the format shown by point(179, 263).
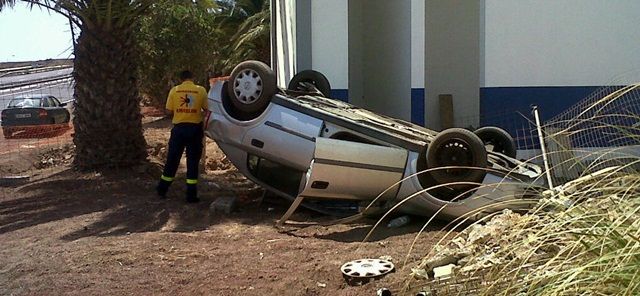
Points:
point(561, 42)
point(417, 43)
point(330, 47)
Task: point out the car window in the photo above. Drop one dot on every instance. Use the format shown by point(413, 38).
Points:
point(278, 176)
point(45, 102)
point(55, 102)
point(24, 103)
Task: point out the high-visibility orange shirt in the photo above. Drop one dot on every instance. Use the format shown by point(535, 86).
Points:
point(187, 101)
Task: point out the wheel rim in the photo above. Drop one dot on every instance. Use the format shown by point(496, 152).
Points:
point(248, 86)
point(455, 152)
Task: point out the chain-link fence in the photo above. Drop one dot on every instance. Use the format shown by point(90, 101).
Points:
point(518, 123)
point(602, 130)
point(36, 105)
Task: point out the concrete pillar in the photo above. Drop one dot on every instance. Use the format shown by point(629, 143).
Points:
point(417, 62)
point(330, 43)
point(452, 59)
point(303, 34)
point(380, 62)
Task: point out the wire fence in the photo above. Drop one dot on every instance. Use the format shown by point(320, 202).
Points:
point(34, 150)
point(602, 130)
point(38, 139)
point(518, 123)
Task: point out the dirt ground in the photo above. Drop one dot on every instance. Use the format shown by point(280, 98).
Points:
point(76, 233)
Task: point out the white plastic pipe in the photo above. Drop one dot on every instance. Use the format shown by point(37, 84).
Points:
point(542, 146)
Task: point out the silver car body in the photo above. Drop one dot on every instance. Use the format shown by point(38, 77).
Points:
point(339, 151)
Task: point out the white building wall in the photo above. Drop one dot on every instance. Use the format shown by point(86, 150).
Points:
point(452, 60)
point(561, 42)
point(330, 44)
point(283, 55)
point(386, 54)
point(521, 45)
point(417, 43)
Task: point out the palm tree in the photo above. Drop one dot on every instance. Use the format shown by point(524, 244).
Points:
point(107, 120)
point(248, 24)
point(166, 24)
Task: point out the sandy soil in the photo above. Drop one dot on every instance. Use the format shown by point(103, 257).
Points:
point(76, 233)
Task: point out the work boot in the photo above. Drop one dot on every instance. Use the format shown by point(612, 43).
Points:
point(192, 193)
point(162, 188)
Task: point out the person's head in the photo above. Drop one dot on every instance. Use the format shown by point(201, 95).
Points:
point(186, 75)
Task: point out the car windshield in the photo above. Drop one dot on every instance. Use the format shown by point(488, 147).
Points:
point(24, 102)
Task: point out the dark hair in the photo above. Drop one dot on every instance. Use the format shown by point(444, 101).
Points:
point(186, 74)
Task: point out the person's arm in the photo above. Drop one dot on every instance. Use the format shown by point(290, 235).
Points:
point(205, 101)
point(169, 106)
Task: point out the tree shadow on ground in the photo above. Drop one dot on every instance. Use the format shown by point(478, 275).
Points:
point(116, 203)
point(112, 203)
point(359, 230)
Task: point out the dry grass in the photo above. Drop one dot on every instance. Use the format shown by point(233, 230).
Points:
point(582, 238)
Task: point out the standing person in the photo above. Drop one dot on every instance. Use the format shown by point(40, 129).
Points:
point(186, 102)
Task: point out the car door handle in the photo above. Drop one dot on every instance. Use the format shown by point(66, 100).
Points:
point(319, 185)
point(257, 143)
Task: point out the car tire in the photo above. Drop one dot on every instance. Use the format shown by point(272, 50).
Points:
point(232, 110)
point(7, 133)
point(500, 139)
point(457, 147)
point(316, 78)
point(252, 84)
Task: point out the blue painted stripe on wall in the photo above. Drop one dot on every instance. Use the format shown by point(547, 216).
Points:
point(500, 106)
point(551, 100)
point(340, 94)
point(417, 106)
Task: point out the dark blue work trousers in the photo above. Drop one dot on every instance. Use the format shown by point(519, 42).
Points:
point(189, 136)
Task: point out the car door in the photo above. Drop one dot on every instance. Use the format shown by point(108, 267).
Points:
point(351, 170)
point(46, 104)
point(284, 136)
point(58, 111)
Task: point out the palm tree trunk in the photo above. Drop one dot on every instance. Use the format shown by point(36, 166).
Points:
point(107, 120)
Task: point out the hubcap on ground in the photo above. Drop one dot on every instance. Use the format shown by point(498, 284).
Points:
point(366, 268)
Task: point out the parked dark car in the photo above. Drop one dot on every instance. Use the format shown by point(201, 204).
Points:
point(35, 113)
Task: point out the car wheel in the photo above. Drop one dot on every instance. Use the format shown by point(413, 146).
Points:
point(457, 147)
point(315, 78)
point(7, 133)
point(499, 139)
point(232, 110)
point(252, 84)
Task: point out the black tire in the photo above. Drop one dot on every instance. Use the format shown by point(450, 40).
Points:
point(252, 84)
point(457, 147)
point(7, 133)
point(500, 139)
point(316, 78)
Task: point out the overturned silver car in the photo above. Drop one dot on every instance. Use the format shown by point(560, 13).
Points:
point(301, 145)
